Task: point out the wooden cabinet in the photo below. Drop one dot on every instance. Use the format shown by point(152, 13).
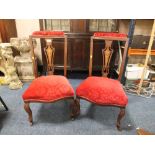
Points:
point(7, 29)
point(78, 26)
point(78, 34)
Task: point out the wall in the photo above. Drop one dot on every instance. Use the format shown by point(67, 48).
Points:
point(142, 27)
point(124, 25)
point(25, 28)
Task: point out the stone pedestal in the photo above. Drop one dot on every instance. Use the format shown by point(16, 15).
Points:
point(7, 67)
point(23, 62)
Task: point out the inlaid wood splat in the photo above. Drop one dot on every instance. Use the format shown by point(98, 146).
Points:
point(107, 54)
point(49, 53)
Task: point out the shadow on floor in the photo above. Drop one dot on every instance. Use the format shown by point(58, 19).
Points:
point(3, 116)
point(57, 112)
point(108, 116)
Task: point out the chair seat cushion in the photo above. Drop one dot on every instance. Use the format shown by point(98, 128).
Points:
point(102, 91)
point(48, 89)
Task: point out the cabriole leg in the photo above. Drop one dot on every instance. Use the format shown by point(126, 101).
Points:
point(120, 116)
point(28, 110)
point(75, 108)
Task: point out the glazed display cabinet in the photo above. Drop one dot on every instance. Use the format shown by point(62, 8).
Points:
point(78, 32)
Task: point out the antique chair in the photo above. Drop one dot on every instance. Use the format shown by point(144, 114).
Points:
point(104, 91)
point(50, 88)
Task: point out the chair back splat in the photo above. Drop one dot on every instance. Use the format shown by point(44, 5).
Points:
point(49, 53)
point(108, 51)
point(49, 50)
point(107, 54)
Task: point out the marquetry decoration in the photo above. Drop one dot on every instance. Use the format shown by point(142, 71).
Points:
point(107, 54)
point(49, 53)
point(49, 35)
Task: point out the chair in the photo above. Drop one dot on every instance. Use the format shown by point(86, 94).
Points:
point(104, 91)
point(50, 88)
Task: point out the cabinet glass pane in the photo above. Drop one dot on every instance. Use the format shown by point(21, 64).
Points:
point(57, 24)
point(93, 25)
point(48, 24)
point(105, 25)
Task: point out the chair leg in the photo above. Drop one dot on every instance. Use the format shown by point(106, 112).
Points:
point(120, 116)
point(75, 108)
point(28, 110)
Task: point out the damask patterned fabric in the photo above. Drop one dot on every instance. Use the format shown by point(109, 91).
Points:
point(107, 34)
point(48, 89)
point(102, 91)
point(51, 33)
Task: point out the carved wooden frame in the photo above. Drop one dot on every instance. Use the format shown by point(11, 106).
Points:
point(74, 108)
point(48, 37)
point(126, 40)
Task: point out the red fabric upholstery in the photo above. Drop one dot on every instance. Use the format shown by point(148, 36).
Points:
point(102, 91)
point(48, 88)
point(107, 34)
point(52, 33)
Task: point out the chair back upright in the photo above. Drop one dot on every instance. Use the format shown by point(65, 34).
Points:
point(49, 50)
point(108, 51)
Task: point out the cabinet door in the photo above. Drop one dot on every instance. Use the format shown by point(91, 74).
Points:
point(55, 24)
point(59, 53)
point(103, 25)
point(78, 53)
point(78, 25)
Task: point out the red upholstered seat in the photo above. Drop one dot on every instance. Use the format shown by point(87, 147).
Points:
point(102, 91)
point(48, 89)
point(111, 34)
point(51, 33)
